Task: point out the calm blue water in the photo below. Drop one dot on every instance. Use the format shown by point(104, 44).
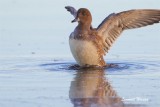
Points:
point(35, 57)
point(49, 82)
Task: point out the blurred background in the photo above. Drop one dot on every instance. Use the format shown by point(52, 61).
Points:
point(42, 27)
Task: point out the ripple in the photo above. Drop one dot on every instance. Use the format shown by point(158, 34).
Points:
point(127, 67)
point(57, 66)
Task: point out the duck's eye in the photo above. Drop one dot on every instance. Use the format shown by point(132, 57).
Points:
point(84, 13)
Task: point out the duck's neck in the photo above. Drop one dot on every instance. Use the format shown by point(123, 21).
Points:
point(84, 27)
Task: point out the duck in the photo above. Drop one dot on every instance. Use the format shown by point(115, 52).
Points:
point(89, 45)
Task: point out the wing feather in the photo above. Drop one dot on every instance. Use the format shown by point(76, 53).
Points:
point(72, 10)
point(112, 26)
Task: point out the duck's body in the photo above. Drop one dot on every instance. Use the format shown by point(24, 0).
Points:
point(88, 45)
point(85, 51)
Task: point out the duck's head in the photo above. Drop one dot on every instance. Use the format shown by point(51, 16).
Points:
point(83, 16)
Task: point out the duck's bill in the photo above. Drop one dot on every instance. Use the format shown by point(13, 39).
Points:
point(75, 20)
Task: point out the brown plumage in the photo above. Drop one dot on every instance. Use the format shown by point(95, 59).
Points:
point(106, 33)
point(92, 87)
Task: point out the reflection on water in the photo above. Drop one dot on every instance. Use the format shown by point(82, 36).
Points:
point(48, 83)
point(91, 88)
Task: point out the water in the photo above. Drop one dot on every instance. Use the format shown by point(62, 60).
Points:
point(35, 58)
point(39, 82)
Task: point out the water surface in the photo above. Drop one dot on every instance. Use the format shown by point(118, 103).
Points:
point(47, 82)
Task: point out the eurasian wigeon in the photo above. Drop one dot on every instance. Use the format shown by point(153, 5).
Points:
point(89, 45)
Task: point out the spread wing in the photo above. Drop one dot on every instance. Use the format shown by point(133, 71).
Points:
point(72, 10)
point(111, 28)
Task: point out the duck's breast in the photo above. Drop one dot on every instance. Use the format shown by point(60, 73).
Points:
point(84, 52)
